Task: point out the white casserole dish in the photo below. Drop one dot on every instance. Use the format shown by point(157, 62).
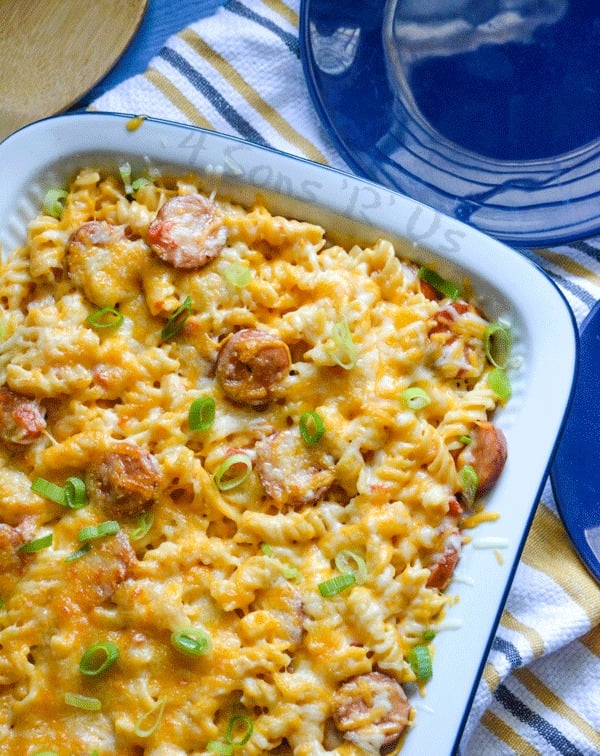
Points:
point(507, 285)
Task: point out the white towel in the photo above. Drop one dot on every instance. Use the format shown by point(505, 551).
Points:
point(239, 72)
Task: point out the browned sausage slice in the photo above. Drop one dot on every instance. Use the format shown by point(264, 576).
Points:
point(250, 364)
point(371, 711)
point(487, 453)
point(21, 419)
point(290, 472)
point(125, 482)
point(443, 565)
point(188, 231)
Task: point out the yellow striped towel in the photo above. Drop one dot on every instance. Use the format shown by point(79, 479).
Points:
point(239, 72)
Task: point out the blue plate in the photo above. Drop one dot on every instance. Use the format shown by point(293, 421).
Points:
point(575, 474)
point(488, 112)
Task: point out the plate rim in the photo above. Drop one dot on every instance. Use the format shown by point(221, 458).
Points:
point(430, 191)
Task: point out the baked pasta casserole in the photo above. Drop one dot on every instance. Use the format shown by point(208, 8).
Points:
point(235, 463)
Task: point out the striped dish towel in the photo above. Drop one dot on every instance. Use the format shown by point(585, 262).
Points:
point(239, 72)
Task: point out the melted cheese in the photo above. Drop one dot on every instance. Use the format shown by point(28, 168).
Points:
point(279, 649)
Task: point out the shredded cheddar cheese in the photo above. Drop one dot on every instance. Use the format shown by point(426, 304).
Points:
point(233, 554)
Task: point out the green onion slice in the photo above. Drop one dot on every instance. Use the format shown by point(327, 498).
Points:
point(291, 573)
point(202, 413)
point(49, 490)
point(145, 727)
point(54, 202)
point(79, 553)
point(37, 544)
point(216, 746)
point(266, 549)
point(466, 440)
point(419, 659)
point(447, 288)
point(349, 561)
point(138, 183)
point(237, 274)
point(469, 481)
point(415, 398)
point(337, 584)
point(91, 532)
point(346, 355)
point(311, 427)
point(45, 753)
point(177, 319)
point(499, 382)
point(125, 173)
point(233, 471)
point(144, 523)
point(98, 658)
point(235, 724)
point(106, 317)
point(192, 641)
point(1, 602)
point(496, 343)
point(75, 493)
point(83, 702)
point(429, 634)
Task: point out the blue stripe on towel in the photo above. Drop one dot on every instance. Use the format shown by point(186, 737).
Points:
point(216, 99)
point(289, 40)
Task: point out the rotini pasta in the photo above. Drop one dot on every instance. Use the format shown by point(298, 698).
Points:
point(232, 466)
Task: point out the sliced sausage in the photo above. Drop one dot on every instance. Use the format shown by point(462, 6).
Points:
point(443, 564)
point(371, 711)
point(291, 472)
point(188, 231)
point(251, 363)
point(125, 481)
point(96, 576)
point(487, 453)
point(21, 419)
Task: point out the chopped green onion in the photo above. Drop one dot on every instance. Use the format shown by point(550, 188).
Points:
point(192, 641)
point(125, 172)
point(234, 724)
point(346, 355)
point(415, 398)
point(91, 532)
point(311, 427)
point(177, 319)
point(429, 634)
point(292, 573)
point(499, 382)
point(447, 288)
point(142, 730)
point(37, 544)
point(45, 753)
point(49, 490)
point(54, 202)
point(98, 658)
point(466, 440)
point(496, 342)
point(138, 183)
point(226, 478)
point(216, 746)
point(75, 493)
point(79, 553)
point(336, 584)
point(202, 413)
point(237, 274)
point(144, 523)
point(83, 702)
point(106, 317)
point(349, 561)
point(469, 481)
point(1, 602)
point(419, 659)
point(266, 549)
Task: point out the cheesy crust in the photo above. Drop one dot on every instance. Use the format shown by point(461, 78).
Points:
point(242, 564)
